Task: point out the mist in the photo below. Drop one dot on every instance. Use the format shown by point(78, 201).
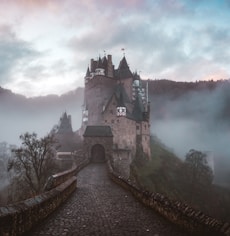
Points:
point(19, 114)
point(182, 119)
point(196, 120)
point(39, 114)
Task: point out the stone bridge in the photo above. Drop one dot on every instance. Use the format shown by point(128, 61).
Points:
point(104, 203)
point(101, 207)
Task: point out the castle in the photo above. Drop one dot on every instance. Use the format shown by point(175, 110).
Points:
point(64, 134)
point(115, 99)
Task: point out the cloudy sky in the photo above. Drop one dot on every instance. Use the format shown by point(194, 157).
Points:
point(46, 45)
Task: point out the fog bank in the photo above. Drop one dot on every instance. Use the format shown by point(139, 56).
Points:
point(195, 120)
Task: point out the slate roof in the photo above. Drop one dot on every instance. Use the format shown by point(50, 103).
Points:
point(98, 131)
point(138, 109)
point(104, 62)
point(123, 71)
point(99, 63)
point(65, 125)
point(121, 94)
point(87, 73)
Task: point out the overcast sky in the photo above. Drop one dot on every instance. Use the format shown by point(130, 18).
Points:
point(46, 45)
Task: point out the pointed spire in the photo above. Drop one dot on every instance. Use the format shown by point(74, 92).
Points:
point(64, 115)
point(138, 109)
point(123, 64)
point(123, 70)
point(65, 125)
point(87, 72)
point(99, 63)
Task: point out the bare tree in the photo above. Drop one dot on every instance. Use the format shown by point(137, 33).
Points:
point(33, 161)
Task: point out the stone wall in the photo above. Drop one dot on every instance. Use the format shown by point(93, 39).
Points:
point(145, 138)
point(97, 93)
point(59, 178)
point(177, 212)
point(16, 219)
point(121, 161)
point(123, 129)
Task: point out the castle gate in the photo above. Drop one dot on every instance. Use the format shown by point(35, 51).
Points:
point(98, 153)
point(98, 143)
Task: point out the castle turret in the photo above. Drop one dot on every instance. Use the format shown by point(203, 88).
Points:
point(93, 65)
point(87, 73)
point(124, 74)
point(110, 69)
point(64, 134)
point(123, 71)
point(99, 63)
point(87, 76)
point(65, 124)
point(99, 69)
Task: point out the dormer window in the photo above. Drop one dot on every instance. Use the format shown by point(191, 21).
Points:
point(100, 71)
point(121, 111)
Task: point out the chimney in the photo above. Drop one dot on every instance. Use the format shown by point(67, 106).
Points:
point(110, 66)
point(92, 65)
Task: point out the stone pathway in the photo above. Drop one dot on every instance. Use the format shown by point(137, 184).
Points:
point(101, 207)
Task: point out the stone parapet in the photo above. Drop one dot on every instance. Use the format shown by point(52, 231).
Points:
point(59, 178)
point(177, 212)
point(16, 219)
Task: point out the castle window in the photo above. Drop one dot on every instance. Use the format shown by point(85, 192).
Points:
point(112, 121)
point(121, 111)
point(117, 121)
point(138, 127)
point(105, 121)
point(145, 127)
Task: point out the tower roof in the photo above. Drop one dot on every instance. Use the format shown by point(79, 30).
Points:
point(98, 131)
point(65, 125)
point(121, 95)
point(138, 109)
point(121, 101)
point(123, 70)
point(104, 61)
point(136, 76)
point(87, 73)
point(99, 63)
point(64, 117)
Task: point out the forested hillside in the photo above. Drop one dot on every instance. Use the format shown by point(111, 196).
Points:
point(39, 114)
point(184, 115)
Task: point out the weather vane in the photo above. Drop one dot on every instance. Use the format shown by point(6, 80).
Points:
point(123, 51)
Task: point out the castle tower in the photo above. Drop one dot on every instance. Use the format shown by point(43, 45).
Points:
point(110, 69)
point(115, 98)
point(65, 124)
point(64, 134)
point(124, 74)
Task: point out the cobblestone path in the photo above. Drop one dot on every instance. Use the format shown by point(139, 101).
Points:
point(101, 207)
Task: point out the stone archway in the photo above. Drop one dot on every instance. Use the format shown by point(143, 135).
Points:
point(98, 153)
point(98, 143)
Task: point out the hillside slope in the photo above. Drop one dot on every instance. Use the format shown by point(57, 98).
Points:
point(39, 114)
